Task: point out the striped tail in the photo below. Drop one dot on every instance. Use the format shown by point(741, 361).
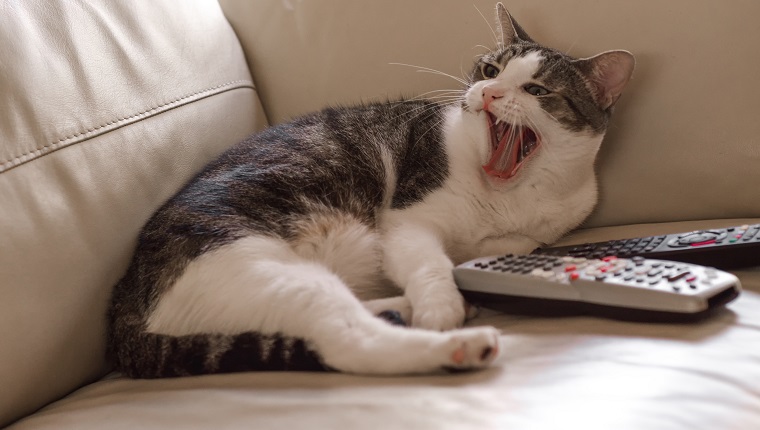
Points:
point(149, 355)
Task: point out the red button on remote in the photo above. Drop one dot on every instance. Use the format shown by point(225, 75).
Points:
point(707, 242)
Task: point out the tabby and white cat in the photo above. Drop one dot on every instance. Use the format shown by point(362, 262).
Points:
point(280, 254)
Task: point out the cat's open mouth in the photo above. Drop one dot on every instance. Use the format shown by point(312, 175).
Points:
point(511, 145)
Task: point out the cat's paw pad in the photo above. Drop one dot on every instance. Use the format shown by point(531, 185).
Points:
point(473, 348)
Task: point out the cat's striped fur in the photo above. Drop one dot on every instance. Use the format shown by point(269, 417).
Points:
point(278, 254)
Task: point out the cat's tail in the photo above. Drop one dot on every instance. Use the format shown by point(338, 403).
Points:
point(150, 355)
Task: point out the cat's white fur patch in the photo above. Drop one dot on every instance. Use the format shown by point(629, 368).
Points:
point(260, 284)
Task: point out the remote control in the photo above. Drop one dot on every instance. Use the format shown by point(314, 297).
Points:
point(636, 288)
point(724, 248)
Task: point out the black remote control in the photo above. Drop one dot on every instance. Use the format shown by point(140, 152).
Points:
point(724, 248)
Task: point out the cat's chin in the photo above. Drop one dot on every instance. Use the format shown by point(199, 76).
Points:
point(499, 183)
point(512, 146)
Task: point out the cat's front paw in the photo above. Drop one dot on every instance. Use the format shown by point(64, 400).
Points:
point(441, 311)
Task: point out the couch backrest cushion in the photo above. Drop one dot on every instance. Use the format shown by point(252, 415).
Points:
point(107, 108)
point(685, 139)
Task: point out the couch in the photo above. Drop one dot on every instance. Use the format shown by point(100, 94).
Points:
point(108, 107)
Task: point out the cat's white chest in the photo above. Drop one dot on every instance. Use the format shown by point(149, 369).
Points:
point(484, 223)
point(475, 217)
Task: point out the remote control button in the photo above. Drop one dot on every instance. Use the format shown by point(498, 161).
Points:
point(675, 243)
point(574, 275)
point(706, 242)
point(641, 271)
point(570, 267)
point(678, 275)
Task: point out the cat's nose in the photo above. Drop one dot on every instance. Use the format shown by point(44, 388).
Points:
point(489, 95)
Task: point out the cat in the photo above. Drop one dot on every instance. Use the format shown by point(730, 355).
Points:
point(281, 253)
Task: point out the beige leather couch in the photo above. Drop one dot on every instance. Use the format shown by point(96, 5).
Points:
point(107, 107)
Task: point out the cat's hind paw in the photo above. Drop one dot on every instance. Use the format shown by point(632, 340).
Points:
point(472, 348)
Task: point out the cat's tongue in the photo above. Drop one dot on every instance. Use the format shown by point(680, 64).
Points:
point(511, 145)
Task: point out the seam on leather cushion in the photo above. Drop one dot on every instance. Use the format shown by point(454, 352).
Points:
point(121, 122)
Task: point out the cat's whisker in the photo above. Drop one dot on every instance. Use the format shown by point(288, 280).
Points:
point(465, 76)
point(550, 115)
point(423, 69)
point(572, 45)
point(419, 112)
point(493, 32)
point(440, 93)
point(548, 150)
point(435, 125)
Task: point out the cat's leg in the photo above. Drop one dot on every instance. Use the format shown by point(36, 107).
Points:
point(402, 306)
point(261, 285)
point(415, 259)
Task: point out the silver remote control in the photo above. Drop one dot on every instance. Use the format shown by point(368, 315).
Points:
point(615, 285)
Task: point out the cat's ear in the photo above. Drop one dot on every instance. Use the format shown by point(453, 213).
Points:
point(511, 31)
point(608, 73)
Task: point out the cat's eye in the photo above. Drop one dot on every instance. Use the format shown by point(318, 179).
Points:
point(536, 90)
point(489, 70)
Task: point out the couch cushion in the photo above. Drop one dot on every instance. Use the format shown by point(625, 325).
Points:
point(108, 108)
point(572, 372)
point(683, 143)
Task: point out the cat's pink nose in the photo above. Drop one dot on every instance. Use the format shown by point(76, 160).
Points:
point(489, 95)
